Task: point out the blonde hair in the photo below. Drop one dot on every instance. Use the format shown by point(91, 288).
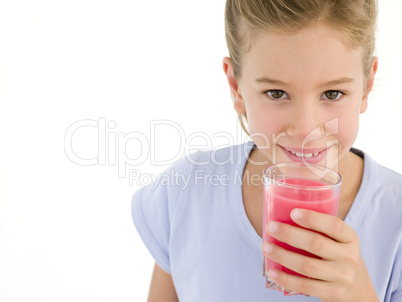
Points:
point(353, 21)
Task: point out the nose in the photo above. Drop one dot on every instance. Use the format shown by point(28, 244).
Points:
point(303, 122)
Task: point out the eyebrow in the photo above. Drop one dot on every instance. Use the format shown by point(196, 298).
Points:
point(325, 84)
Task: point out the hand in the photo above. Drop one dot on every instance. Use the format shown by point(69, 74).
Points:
point(341, 274)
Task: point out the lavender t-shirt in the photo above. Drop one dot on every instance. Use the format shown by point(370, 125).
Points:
point(193, 222)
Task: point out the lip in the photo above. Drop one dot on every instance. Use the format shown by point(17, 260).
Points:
point(322, 153)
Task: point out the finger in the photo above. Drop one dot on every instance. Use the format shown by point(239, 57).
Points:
point(310, 287)
point(302, 264)
point(307, 240)
point(329, 225)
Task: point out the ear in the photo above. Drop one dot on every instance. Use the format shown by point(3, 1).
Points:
point(237, 98)
point(369, 84)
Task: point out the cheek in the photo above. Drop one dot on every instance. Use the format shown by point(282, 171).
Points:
point(264, 126)
point(349, 127)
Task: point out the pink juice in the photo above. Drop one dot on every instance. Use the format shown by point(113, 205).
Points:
point(279, 201)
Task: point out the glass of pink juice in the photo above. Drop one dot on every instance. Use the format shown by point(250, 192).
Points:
point(296, 185)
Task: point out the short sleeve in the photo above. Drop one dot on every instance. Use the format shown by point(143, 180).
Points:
point(150, 214)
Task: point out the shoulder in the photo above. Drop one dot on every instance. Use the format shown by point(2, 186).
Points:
point(187, 173)
point(222, 159)
point(389, 178)
point(384, 183)
point(386, 179)
point(203, 175)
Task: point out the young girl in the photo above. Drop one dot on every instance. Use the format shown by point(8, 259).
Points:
point(300, 73)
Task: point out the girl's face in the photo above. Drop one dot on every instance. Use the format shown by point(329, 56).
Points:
point(303, 94)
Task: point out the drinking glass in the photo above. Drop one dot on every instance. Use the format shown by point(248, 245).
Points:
point(296, 185)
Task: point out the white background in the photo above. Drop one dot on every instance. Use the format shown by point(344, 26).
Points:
point(65, 229)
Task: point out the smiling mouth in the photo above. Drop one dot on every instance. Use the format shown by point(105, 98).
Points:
point(308, 155)
point(305, 153)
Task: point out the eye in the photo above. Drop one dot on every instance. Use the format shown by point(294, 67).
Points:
point(276, 94)
point(333, 95)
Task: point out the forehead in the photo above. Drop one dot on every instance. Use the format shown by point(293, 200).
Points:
point(308, 54)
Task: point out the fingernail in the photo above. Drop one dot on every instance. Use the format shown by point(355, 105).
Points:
point(272, 274)
point(297, 214)
point(267, 248)
point(272, 227)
